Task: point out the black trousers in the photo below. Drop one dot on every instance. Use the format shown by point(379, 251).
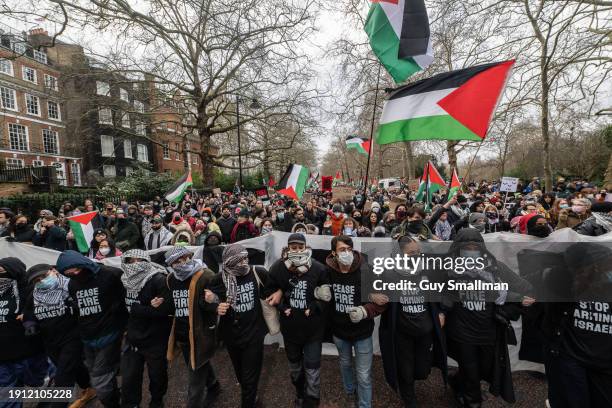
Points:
point(572, 385)
point(414, 356)
point(247, 361)
point(200, 380)
point(305, 370)
point(475, 362)
point(69, 367)
point(132, 370)
point(103, 364)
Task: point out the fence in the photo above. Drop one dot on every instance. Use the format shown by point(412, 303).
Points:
point(29, 175)
point(31, 204)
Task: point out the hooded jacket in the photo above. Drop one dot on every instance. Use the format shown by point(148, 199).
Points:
point(227, 226)
point(183, 230)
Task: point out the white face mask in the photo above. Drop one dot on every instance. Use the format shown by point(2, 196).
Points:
point(105, 251)
point(345, 258)
point(469, 253)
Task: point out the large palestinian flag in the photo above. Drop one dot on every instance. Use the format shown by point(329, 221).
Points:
point(293, 183)
point(431, 182)
point(399, 35)
point(82, 229)
point(177, 191)
point(456, 105)
point(359, 144)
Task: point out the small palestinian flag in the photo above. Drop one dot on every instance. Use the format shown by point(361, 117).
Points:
point(431, 182)
point(177, 191)
point(293, 183)
point(359, 144)
point(399, 35)
point(456, 105)
point(82, 229)
point(454, 186)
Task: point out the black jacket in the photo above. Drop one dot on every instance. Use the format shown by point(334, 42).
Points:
point(53, 238)
point(24, 234)
point(226, 225)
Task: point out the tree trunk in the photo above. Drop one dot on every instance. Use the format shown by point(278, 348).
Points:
point(408, 156)
point(608, 175)
point(208, 167)
point(266, 157)
point(380, 164)
point(452, 154)
point(548, 177)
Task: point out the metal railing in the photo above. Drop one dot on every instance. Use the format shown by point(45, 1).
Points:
point(29, 175)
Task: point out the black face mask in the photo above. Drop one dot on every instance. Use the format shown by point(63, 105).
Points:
point(212, 242)
point(20, 226)
point(541, 231)
point(415, 226)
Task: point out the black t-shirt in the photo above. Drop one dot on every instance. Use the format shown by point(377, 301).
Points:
point(472, 320)
point(587, 334)
point(414, 317)
point(58, 323)
point(180, 295)
point(298, 295)
point(100, 302)
point(346, 293)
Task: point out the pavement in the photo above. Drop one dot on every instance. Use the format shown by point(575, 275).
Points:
point(276, 390)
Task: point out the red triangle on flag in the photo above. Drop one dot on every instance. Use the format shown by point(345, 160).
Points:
point(434, 176)
point(289, 192)
point(455, 180)
point(366, 146)
point(84, 218)
point(474, 102)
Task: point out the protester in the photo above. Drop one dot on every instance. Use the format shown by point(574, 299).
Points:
point(100, 303)
point(600, 221)
point(106, 249)
point(5, 222)
point(21, 230)
point(125, 232)
point(158, 235)
point(244, 228)
point(226, 223)
point(99, 235)
point(50, 235)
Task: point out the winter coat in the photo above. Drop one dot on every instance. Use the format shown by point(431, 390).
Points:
point(25, 234)
point(591, 227)
point(202, 322)
point(183, 230)
point(243, 230)
point(161, 236)
point(127, 235)
point(53, 238)
point(227, 226)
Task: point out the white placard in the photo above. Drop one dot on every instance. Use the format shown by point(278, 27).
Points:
point(509, 184)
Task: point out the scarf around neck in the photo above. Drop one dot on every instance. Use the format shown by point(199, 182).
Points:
point(53, 296)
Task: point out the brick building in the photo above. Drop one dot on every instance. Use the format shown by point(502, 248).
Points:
point(32, 115)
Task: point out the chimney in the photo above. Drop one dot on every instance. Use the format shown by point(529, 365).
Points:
point(39, 31)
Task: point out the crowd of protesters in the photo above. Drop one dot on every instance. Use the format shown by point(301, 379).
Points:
point(82, 321)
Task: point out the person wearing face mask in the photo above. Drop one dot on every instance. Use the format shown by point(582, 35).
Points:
point(388, 222)
point(302, 316)
point(149, 304)
point(299, 228)
point(537, 226)
point(50, 235)
point(351, 320)
point(244, 228)
point(51, 307)
point(400, 213)
point(478, 321)
point(21, 231)
point(413, 225)
point(158, 235)
point(349, 227)
point(334, 221)
point(236, 292)
point(226, 223)
point(410, 332)
point(194, 326)
point(125, 232)
point(600, 221)
point(100, 299)
point(267, 226)
point(578, 212)
point(145, 220)
point(495, 223)
point(106, 249)
point(478, 221)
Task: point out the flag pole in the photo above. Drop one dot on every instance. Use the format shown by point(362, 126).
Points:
point(366, 185)
point(427, 186)
point(467, 172)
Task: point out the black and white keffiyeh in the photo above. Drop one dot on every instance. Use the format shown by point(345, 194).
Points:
point(53, 296)
point(137, 274)
point(233, 265)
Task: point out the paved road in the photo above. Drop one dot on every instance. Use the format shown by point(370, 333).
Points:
point(276, 390)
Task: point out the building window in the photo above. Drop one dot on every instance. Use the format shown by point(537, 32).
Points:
point(123, 95)
point(51, 82)
point(29, 74)
point(40, 56)
point(50, 142)
point(165, 150)
point(32, 105)
point(75, 170)
point(127, 148)
point(139, 106)
point(195, 158)
point(18, 137)
point(18, 46)
point(177, 153)
point(102, 88)
point(12, 163)
point(125, 120)
point(53, 110)
point(109, 170)
point(108, 146)
point(6, 67)
point(8, 98)
point(142, 153)
point(38, 163)
point(141, 129)
point(60, 170)
point(105, 116)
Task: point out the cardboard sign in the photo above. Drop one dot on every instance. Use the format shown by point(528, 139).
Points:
point(509, 184)
point(413, 184)
point(395, 201)
point(217, 191)
point(306, 197)
point(343, 193)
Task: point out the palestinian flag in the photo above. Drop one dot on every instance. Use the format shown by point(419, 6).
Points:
point(294, 181)
point(431, 182)
point(82, 229)
point(177, 191)
point(454, 186)
point(361, 145)
point(399, 35)
point(456, 105)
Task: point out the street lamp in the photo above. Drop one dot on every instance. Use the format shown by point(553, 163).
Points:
point(254, 105)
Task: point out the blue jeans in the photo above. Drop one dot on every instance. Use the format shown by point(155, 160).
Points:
point(363, 368)
point(29, 372)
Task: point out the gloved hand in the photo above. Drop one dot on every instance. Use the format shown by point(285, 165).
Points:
point(323, 293)
point(357, 313)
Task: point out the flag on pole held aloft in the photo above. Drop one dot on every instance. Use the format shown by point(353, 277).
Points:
point(456, 105)
point(82, 229)
point(293, 183)
point(399, 36)
point(177, 191)
point(431, 182)
point(361, 145)
point(454, 186)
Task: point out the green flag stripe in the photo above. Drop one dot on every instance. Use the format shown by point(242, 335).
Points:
point(442, 127)
point(300, 186)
